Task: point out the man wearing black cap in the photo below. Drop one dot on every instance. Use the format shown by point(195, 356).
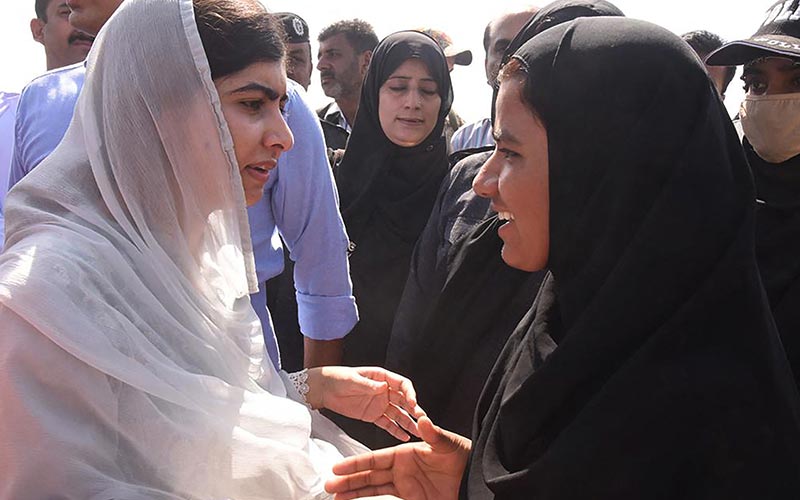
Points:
point(298, 48)
point(770, 120)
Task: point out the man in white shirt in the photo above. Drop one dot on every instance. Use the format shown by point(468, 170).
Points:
point(496, 37)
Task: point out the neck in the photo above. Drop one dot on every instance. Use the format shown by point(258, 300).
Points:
point(349, 107)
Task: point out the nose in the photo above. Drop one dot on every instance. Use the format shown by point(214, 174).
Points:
point(485, 183)
point(279, 136)
point(413, 99)
point(322, 62)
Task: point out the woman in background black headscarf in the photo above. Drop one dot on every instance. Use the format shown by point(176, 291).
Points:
point(459, 309)
point(388, 180)
point(649, 365)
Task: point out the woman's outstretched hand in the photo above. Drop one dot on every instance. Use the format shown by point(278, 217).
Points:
point(428, 470)
point(365, 393)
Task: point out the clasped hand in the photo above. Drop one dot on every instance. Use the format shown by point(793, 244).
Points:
point(365, 393)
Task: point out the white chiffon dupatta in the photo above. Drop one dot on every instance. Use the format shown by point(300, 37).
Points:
point(131, 362)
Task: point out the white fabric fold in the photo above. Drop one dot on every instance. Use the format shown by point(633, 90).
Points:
point(131, 362)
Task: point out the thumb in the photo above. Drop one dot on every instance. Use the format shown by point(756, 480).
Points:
point(436, 437)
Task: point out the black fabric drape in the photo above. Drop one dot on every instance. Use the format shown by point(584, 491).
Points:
point(446, 339)
point(649, 365)
point(553, 14)
point(386, 194)
point(778, 245)
point(480, 304)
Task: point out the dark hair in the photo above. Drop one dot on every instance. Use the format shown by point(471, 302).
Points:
point(41, 9)
point(359, 34)
point(516, 68)
point(704, 43)
point(236, 34)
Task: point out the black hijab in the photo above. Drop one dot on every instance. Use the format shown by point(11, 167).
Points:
point(448, 341)
point(649, 365)
point(386, 193)
point(778, 245)
point(380, 183)
point(553, 14)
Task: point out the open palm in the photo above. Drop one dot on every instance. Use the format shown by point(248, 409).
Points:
point(427, 470)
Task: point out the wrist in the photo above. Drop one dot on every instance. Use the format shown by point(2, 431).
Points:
point(316, 381)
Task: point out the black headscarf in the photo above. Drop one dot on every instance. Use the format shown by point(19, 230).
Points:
point(553, 14)
point(381, 184)
point(447, 339)
point(649, 365)
point(386, 193)
point(778, 245)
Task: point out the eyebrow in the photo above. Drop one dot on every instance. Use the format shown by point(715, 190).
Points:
point(399, 77)
point(784, 69)
point(504, 136)
point(271, 94)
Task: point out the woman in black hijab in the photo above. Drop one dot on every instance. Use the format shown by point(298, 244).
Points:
point(460, 306)
point(388, 180)
point(649, 365)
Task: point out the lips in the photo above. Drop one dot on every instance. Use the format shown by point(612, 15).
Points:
point(80, 39)
point(412, 122)
point(260, 171)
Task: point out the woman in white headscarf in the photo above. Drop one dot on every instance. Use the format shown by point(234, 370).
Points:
point(131, 362)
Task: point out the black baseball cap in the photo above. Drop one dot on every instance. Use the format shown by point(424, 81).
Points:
point(295, 27)
point(778, 36)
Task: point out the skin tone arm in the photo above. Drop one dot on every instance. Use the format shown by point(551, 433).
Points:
point(322, 352)
point(427, 470)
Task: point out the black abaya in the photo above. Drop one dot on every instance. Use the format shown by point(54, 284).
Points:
point(649, 365)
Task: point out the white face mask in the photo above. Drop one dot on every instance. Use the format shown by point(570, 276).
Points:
point(771, 124)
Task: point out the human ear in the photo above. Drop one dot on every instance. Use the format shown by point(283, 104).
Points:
point(366, 57)
point(37, 29)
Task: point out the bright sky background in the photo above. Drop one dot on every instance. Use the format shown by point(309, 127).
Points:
point(22, 58)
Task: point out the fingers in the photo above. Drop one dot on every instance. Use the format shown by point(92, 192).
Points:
point(401, 399)
point(402, 419)
point(360, 481)
point(401, 390)
point(392, 428)
point(375, 492)
point(374, 460)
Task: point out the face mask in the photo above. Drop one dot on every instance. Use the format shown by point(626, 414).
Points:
point(771, 124)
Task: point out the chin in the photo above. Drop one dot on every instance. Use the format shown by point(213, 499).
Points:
point(523, 262)
point(252, 199)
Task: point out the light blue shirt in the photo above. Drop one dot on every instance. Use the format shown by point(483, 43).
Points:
point(8, 108)
point(472, 135)
point(43, 115)
point(299, 201)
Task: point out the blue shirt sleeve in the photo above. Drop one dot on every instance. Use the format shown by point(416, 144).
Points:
point(306, 209)
point(16, 171)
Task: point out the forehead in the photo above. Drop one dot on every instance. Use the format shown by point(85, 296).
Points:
point(412, 68)
point(304, 47)
point(338, 41)
point(772, 65)
point(270, 74)
point(507, 26)
point(509, 96)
